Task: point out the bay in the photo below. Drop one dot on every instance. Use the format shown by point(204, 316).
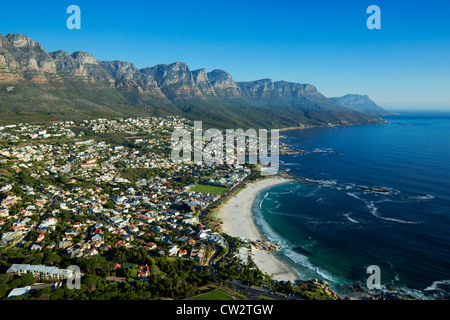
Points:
point(378, 195)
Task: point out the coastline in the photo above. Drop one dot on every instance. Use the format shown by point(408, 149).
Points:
point(332, 125)
point(237, 218)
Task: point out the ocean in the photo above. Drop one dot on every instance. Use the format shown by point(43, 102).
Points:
point(376, 195)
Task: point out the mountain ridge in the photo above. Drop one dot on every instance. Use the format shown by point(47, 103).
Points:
point(59, 85)
point(361, 103)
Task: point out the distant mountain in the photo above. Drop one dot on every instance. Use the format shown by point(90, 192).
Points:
point(361, 103)
point(36, 85)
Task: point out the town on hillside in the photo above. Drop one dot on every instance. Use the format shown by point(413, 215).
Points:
point(105, 196)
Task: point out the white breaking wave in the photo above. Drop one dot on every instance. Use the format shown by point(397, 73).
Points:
point(260, 203)
point(354, 195)
point(347, 215)
point(304, 262)
point(423, 197)
point(348, 186)
point(374, 209)
point(435, 285)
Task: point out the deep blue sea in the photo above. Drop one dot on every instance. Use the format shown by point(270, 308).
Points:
point(336, 226)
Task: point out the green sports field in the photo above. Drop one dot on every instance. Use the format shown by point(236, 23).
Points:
point(203, 188)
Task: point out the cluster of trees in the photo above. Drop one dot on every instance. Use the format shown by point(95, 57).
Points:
point(255, 173)
point(9, 282)
point(183, 179)
point(308, 292)
point(170, 277)
point(252, 276)
point(21, 255)
point(249, 274)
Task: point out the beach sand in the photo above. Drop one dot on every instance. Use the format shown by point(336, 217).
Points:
point(237, 219)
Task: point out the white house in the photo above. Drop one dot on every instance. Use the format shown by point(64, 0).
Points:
point(173, 251)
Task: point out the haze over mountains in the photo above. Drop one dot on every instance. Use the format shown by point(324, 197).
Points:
point(361, 103)
point(39, 85)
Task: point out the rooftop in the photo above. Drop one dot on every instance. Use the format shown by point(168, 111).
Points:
point(38, 268)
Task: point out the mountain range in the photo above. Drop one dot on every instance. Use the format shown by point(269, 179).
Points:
point(361, 103)
point(36, 85)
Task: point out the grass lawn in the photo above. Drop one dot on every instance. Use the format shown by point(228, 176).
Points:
point(203, 188)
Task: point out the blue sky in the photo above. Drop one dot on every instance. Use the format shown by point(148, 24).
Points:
point(405, 65)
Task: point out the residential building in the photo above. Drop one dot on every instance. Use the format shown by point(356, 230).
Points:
point(40, 271)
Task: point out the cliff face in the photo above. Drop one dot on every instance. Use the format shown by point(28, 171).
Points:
point(203, 83)
point(23, 59)
point(223, 84)
point(175, 80)
point(166, 89)
point(361, 103)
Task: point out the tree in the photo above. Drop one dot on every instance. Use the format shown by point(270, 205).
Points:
point(63, 179)
point(15, 283)
point(119, 255)
point(3, 290)
point(92, 281)
point(96, 264)
point(25, 178)
point(27, 279)
point(34, 258)
point(110, 205)
point(6, 277)
point(154, 270)
point(57, 294)
point(51, 259)
point(132, 272)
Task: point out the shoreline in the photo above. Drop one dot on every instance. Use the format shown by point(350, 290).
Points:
point(237, 221)
point(333, 125)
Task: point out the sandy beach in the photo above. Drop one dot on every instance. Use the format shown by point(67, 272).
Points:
point(237, 219)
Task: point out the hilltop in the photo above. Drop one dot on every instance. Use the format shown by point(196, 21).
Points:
point(361, 103)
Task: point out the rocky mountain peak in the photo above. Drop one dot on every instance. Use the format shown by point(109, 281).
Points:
point(219, 76)
point(178, 66)
point(84, 57)
point(361, 103)
point(175, 80)
point(310, 88)
point(201, 79)
point(21, 41)
point(223, 83)
point(200, 75)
